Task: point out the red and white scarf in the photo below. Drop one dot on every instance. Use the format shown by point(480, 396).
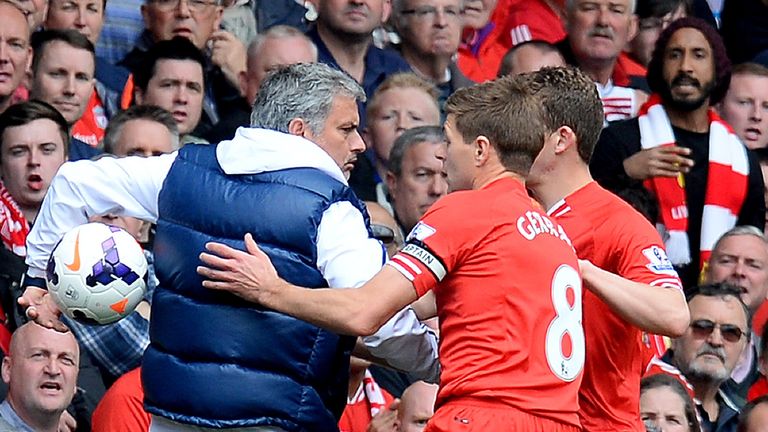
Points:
point(369, 391)
point(726, 183)
point(13, 226)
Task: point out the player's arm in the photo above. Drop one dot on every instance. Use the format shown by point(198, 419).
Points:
point(656, 309)
point(250, 275)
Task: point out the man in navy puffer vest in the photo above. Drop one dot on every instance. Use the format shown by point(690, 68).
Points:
point(215, 361)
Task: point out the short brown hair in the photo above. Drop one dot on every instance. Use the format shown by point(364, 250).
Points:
point(569, 98)
point(507, 113)
point(23, 113)
point(402, 80)
point(749, 68)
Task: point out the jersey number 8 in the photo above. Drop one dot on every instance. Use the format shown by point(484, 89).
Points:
point(565, 346)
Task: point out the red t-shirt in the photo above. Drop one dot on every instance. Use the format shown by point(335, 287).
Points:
point(122, 407)
point(759, 388)
point(612, 235)
point(508, 295)
point(534, 20)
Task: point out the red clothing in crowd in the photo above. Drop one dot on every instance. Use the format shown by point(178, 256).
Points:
point(122, 407)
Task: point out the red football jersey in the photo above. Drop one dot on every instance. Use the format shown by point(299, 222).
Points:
point(508, 293)
point(615, 237)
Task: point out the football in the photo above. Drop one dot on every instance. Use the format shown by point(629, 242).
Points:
point(97, 274)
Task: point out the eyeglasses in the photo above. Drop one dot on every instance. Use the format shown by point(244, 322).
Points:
point(430, 12)
point(383, 233)
point(193, 5)
point(730, 332)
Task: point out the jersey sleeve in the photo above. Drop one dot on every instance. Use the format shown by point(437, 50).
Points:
point(644, 259)
point(433, 249)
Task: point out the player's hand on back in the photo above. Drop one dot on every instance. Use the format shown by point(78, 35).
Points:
point(248, 274)
point(40, 307)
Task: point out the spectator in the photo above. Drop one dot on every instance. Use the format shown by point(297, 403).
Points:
point(530, 56)
point(172, 78)
point(401, 102)
point(142, 130)
point(41, 374)
point(33, 145)
point(368, 405)
point(15, 51)
point(62, 75)
point(415, 177)
point(417, 405)
point(485, 38)
point(278, 46)
point(666, 406)
point(87, 17)
point(740, 258)
point(198, 21)
point(653, 17)
point(430, 31)
point(689, 73)
point(34, 10)
point(745, 105)
point(707, 353)
point(598, 31)
point(343, 34)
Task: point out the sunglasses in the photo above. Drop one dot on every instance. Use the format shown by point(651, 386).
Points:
point(730, 332)
point(383, 233)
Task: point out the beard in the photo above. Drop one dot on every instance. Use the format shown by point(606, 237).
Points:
point(687, 104)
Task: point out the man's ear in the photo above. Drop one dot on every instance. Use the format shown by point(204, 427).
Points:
point(138, 96)
point(483, 149)
point(298, 127)
point(391, 182)
point(6, 369)
point(566, 139)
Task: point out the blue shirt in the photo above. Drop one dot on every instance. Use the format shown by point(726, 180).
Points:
point(379, 64)
point(8, 414)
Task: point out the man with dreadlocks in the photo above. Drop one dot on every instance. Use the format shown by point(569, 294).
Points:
point(702, 177)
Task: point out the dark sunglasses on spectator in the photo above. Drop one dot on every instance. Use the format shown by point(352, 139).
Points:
point(730, 332)
point(383, 233)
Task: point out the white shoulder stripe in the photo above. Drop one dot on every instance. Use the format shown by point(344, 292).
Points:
point(403, 271)
point(406, 260)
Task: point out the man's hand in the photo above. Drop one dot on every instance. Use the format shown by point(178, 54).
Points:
point(228, 53)
point(662, 161)
point(67, 423)
point(249, 274)
point(386, 419)
point(41, 308)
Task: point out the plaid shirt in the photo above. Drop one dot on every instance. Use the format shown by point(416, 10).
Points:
point(118, 347)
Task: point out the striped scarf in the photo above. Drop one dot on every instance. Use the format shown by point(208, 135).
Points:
point(726, 183)
point(13, 226)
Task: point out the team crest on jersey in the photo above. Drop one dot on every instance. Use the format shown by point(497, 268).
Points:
point(658, 261)
point(420, 232)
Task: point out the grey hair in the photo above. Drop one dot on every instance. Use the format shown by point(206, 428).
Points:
point(409, 138)
point(139, 112)
point(303, 91)
point(279, 32)
point(741, 230)
point(570, 4)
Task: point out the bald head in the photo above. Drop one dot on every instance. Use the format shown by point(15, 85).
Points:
point(417, 405)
